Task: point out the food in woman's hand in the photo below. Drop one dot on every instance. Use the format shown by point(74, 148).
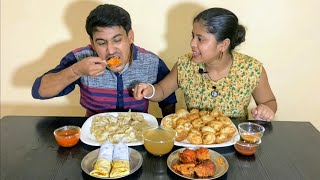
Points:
point(200, 127)
point(114, 62)
point(195, 163)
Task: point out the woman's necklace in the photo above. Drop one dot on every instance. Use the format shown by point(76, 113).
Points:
point(215, 92)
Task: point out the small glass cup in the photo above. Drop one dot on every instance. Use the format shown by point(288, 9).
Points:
point(67, 136)
point(244, 147)
point(250, 132)
point(159, 141)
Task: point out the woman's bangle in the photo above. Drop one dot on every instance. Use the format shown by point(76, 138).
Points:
point(153, 92)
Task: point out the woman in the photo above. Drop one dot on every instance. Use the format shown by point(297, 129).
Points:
point(214, 76)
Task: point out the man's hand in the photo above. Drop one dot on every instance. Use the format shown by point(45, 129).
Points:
point(90, 66)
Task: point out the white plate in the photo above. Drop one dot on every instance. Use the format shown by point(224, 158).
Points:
point(221, 169)
point(186, 143)
point(88, 138)
point(88, 161)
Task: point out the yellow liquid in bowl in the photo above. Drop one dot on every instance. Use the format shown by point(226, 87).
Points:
point(158, 141)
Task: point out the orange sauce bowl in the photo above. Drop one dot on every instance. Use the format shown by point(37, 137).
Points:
point(246, 148)
point(67, 136)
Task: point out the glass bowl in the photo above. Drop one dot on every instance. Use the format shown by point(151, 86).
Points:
point(159, 141)
point(67, 136)
point(250, 132)
point(245, 147)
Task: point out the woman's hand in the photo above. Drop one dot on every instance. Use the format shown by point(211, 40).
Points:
point(262, 112)
point(143, 90)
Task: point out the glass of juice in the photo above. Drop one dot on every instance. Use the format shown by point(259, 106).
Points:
point(250, 132)
point(159, 141)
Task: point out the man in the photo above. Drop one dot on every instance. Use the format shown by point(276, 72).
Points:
point(106, 88)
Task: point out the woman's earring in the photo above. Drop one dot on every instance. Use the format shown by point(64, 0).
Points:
point(220, 55)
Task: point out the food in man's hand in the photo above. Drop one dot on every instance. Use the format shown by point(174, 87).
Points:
point(194, 163)
point(200, 127)
point(114, 62)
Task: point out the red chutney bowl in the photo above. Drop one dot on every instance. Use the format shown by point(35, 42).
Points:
point(245, 147)
point(67, 136)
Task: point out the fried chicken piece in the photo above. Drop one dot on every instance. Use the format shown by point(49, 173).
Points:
point(184, 169)
point(205, 169)
point(187, 156)
point(202, 154)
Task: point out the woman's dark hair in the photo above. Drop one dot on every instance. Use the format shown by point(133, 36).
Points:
point(107, 15)
point(223, 24)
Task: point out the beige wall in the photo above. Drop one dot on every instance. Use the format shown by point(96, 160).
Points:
point(284, 35)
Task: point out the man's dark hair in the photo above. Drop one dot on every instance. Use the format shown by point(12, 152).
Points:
point(107, 15)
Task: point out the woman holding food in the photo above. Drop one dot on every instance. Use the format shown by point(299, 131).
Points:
point(215, 76)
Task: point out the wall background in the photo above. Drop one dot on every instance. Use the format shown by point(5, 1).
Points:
point(284, 35)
